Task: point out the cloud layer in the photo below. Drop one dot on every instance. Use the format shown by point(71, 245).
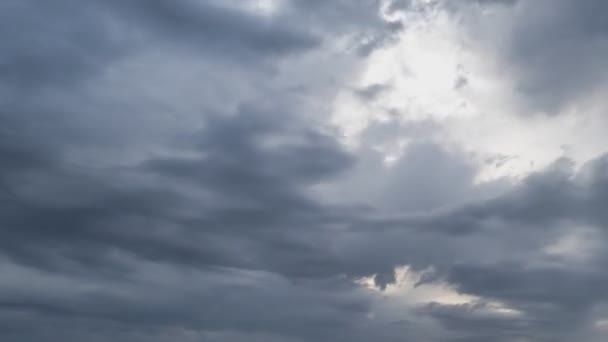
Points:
point(287, 170)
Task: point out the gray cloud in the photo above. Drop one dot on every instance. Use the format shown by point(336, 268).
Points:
point(191, 203)
point(554, 50)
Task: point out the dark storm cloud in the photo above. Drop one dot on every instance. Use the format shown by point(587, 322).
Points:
point(554, 195)
point(121, 223)
point(72, 218)
point(56, 42)
point(238, 204)
point(237, 199)
point(554, 50)
point(40, 44)
point(561, 47)
point(213, 300)
point(551, 304)
point(555, 301)
point(237, 190)
point(250, 184)
point(495, 249)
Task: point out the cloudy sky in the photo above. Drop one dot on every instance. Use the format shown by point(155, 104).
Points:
point(303, 170)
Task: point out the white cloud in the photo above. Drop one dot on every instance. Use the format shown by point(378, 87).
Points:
point(437, 71)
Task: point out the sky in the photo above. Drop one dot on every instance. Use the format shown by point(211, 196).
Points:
point(303, 170)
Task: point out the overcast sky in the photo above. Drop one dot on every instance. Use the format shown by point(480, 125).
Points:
point(303, 170)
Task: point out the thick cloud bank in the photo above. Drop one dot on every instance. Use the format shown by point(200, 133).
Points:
point(295, 171)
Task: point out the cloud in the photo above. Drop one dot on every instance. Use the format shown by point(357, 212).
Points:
point(171, 171)
point(554, 51)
